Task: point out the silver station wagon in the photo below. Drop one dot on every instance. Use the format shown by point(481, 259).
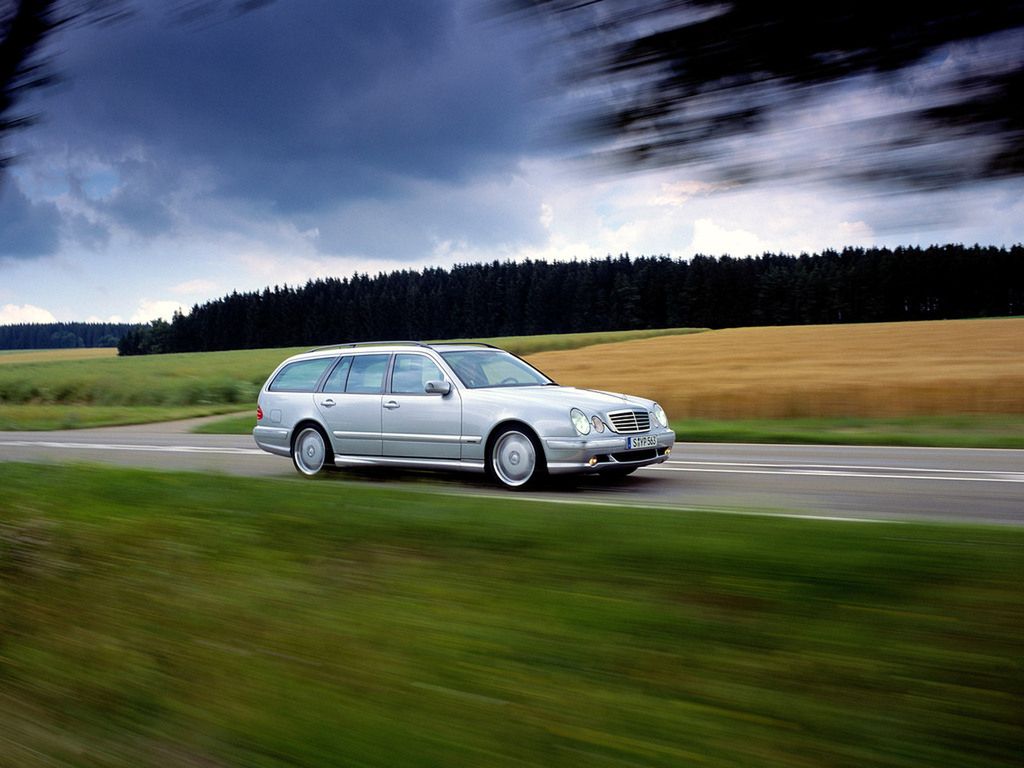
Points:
point(462, 406)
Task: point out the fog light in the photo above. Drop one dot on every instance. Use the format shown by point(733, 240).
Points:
point(668, 451)
point(592, 461)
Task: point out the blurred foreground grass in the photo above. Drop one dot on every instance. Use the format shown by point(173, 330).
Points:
point(173, 619)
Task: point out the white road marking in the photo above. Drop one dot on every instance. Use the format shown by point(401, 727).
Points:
point(669, 507)
point(842, 470)
point(133, 447)
point(871, 472)
point(800, 464)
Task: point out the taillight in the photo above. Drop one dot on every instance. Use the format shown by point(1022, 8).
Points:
point(259, 413)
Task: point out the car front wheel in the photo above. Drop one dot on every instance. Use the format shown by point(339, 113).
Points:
point(515, 459)
point(309, 451)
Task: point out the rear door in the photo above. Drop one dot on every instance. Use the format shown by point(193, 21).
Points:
point(350, 403)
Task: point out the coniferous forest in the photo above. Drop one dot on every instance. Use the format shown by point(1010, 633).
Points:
point(62, 335)
point(508, 298)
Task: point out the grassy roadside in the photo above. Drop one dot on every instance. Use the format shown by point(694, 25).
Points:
point(34, 417)
point(150, 619)
point(965, 431)
point(971, 431)
point(230, 425)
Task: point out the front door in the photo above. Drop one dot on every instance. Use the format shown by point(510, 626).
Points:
point(415, 424)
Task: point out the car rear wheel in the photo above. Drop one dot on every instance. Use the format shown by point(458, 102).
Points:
point(515, 459)
point(309, 451)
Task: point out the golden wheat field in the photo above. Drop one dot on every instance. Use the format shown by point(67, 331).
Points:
point(883, 369)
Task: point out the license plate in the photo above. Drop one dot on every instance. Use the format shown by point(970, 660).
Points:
point(647, 441)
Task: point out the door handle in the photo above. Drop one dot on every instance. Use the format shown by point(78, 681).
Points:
point(391, 404)
point(328, 403)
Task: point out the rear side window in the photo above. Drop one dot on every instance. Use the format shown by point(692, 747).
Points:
point(366, 375)
point(300, 376)
point(336, 381)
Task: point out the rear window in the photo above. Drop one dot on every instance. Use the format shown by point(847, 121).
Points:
point(300, 376)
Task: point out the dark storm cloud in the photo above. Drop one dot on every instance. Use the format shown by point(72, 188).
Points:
point(142, 198)
point(296, 107)
point(27, 229)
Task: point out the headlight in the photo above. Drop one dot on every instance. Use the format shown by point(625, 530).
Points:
point(598, 424)
point(660, 415)
point(580, 421)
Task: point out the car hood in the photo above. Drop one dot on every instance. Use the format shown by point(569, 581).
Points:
point(591, 400)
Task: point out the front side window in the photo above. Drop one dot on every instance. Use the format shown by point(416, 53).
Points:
point(300, 376)
point(411, 374)
point(366, 375)
point(480, 368)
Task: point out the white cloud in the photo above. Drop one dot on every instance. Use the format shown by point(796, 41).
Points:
point(110, 319)
point(151, 310)
point(712, 239)
point(11, 314)
point(855, 232)
point(195, 287)
point(676, 193)
point(547, 216)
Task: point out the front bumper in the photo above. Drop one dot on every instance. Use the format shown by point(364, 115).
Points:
point(568, 455)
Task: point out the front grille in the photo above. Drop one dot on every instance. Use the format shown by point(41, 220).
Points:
point(630, 422)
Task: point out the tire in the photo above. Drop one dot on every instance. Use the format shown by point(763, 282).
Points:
point(309, 451)
point(515, 459)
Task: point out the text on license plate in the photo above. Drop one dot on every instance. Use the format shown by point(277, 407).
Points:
point(647, 441)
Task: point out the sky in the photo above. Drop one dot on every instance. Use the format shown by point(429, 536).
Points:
point(179, 160)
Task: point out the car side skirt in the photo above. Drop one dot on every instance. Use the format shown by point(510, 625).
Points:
point(342, 460)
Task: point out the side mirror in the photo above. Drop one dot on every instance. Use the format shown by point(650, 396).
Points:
point(438, 387)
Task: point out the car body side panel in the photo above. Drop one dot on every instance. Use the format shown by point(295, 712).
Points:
point(353, 421)
point(282, 411)
point(483, 414)
point(422, 425)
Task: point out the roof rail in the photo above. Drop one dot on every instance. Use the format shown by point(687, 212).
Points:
point(351, 344)
point(463, 344)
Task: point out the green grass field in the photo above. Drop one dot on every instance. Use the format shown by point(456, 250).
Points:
point(155, 619)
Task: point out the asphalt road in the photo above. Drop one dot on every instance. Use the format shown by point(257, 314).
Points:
point(857, 483)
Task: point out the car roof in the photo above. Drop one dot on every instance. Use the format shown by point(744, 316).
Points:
point(389, 346)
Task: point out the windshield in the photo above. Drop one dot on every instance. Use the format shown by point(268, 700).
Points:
point(479, 368)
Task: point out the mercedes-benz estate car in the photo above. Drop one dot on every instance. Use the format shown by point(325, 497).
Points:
point(462, 406)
